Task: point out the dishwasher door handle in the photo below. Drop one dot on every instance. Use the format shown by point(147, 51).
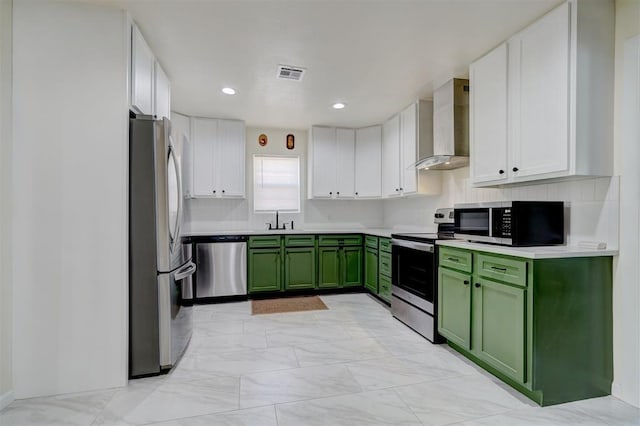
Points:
point(185, 271)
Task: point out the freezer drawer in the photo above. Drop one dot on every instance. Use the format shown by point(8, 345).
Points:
point(221, 269)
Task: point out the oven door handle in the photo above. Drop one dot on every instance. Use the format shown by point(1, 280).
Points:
point(414, 245)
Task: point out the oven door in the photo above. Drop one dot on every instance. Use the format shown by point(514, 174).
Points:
point(413, 277)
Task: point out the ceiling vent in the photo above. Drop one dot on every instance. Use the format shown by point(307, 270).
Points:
point(287, 72)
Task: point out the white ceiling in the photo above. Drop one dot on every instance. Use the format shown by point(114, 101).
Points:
point(375, 56)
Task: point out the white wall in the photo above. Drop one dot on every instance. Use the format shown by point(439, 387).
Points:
point(626, 288)
point(207, 215)
point(6, 297)
point(70, 198)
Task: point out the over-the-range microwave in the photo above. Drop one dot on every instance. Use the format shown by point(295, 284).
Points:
point(511, 223)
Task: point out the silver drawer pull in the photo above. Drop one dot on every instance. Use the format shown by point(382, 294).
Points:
point(496, 268)
point(453, 259)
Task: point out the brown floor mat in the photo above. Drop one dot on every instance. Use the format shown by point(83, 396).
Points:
point(289, 304)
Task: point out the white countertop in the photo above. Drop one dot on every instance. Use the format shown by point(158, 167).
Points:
point(542, 252)
point(379, 232)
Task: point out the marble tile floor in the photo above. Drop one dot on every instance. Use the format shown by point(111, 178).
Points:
point(350, 365)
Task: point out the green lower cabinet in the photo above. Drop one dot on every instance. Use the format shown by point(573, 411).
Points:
point(300, 268)
point(454, 307)
point(371, 269)
point(265, 266)
point(543, 326)
point(351, 265)
point(385, 288)
point(499, 314)
point(328, 267)
point(339, 267)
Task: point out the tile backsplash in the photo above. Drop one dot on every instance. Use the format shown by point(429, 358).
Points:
point(593, 203)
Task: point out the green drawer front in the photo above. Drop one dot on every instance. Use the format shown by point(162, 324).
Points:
point(299, 240)
point(371, 241)
point(385, 263)
point(508, 270)
point(385, 288)
point(455, 259)
point(385, 244)
point(340, 240)
point(262, 241)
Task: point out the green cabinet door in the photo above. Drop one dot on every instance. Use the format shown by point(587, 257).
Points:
point(499, 327)
point(351, 265)
point(371, 269)
point(385, 288)
point(454, 306)
point(328, 267)
point(265, 267)
point(299, 268)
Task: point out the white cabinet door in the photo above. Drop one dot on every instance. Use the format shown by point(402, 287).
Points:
point(162, 93)
point(408, 145)
point(345, 160)
point(218, 158)
point(488, 117)
point(368, 162)
point(142, 70)
point(204, 133)
point(539, 90)
point(391, 157)
point(323, 167)
point(230, 158)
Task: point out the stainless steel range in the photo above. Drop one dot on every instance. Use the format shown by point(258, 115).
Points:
point(414, 276)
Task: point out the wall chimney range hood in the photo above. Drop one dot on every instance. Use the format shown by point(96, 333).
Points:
point(450, 127)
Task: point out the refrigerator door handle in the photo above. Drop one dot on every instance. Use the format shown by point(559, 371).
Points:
point(185, 271)
point(175, 239)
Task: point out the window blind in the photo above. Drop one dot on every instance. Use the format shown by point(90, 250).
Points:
point(276, 184)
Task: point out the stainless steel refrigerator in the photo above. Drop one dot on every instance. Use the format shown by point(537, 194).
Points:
point(160, 323)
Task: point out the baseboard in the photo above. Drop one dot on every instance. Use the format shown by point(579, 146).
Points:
point(616, 390)
point(6, 399)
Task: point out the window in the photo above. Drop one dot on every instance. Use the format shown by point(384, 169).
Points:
point(276, 184)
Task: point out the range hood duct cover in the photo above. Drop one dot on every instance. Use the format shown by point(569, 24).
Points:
point(450, 127)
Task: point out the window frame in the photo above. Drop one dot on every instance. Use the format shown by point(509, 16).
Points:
point(253, 183)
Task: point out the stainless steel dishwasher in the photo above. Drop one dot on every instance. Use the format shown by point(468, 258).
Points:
point(221, 266)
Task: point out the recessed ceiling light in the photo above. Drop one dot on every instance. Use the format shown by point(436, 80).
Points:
point(338, 105)
point(228, 91)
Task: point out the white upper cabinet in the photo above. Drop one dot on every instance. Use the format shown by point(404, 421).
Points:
point(407, 137)
point(150, 92)
point(142, 74)
point(162, 98)
point(391, 157)
point(322, 162)
point(218, 158)
point(231, 158)
point(368, 162)
point(344, 163)
point(345, 172)
point(204, 135)
point(559, 99)
point(539, 90)
point(488, 117)
point(409, 146)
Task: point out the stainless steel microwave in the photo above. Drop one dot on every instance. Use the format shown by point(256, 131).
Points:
point(511, 223)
